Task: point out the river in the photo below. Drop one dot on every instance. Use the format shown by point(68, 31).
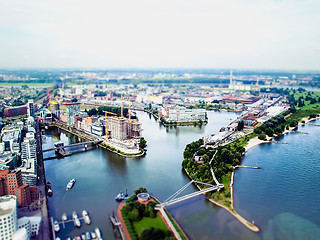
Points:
point(101, 175)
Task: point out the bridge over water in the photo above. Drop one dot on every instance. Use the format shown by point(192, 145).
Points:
point(173, 199)
point(73, 145)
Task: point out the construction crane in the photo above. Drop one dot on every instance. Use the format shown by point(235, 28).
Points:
point(105, 117)
point(129, 121)
point(121, 106)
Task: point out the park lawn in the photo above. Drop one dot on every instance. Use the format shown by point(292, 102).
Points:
point(147, 222)
point(28, 84)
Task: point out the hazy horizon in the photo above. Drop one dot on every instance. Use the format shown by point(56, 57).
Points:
point(181, 34)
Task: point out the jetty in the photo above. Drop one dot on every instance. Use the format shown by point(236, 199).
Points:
point(312, 124)
point(242, 166)
point(66, 220)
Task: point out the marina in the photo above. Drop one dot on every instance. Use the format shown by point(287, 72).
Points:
point(75, 219)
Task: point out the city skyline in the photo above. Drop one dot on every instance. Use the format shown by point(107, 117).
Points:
point(171, 34)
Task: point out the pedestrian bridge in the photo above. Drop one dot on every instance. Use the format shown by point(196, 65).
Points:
point(173, 198)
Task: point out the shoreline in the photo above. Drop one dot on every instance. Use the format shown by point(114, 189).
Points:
point(251, 144)
point(241, 219)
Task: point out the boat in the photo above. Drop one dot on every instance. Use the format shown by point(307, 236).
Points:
point(98, 232)
point(58, 238)
point(56, 226)
point(70, 184)
point(78, 237)
point(76, 220)
point(49, 189)
point(83, 236)
point(93, 234)
point(88, 236)
point(121, 196)
point(68, 238)
point(86, 217)
point(64, 217)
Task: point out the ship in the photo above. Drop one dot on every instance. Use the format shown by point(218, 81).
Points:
point(98, 233)
point(76, 220)
point(49, 189)
point(70, 184)
point(121, 196)
point(86, 217)
point(64, 217)
point(56, 226)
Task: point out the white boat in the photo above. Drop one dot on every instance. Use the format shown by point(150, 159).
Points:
point(56, 226)
point(83, 236)
point(76, 220)
point(64, 217)
point(70, 184)
point(93, 234)
point(74, 215)
point(98, 232)
point(86, 217)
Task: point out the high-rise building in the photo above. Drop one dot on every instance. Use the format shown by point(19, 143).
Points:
point(8, 216)
point(29, 159)
point(30, 108)
point(118, 128)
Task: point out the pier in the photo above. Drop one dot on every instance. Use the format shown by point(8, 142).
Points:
point(63, 222)
point(312, 124)
point(241, 166)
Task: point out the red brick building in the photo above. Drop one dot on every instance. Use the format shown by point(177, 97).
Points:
point(11, 184)
point(23, 195)
point(15, 111)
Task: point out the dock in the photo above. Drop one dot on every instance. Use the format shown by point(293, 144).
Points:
point(63, 222)
point(312, 124)
point(241, 166)
point(300, 132)
point(279, 142)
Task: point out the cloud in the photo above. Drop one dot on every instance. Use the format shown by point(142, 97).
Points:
point(179, 33)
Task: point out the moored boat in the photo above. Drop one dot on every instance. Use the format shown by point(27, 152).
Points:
point(64, 217)
point(70, 184)
point(77, 222)
point(86, 217)
point(93, 234)
point(83, 236)
point(56, 226)
point(88, 236)
point(98, 232)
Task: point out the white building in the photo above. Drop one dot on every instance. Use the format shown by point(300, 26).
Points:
point(29, 159)
point(21, 234)
point(180, 114)
point(8, 216)
point(31, 224)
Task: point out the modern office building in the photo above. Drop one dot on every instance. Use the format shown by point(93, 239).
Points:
point(8, 216)
point(29, 159)
point(30, 108)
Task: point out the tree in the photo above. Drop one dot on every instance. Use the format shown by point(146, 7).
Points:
point(140, 190)
point(240, 125)
point(143, 143)
point(152, 234)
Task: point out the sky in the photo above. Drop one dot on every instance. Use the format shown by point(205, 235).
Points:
point(236, 34)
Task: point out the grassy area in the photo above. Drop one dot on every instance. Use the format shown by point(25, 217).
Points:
point(224, 196)
point(23, 84)
point(148, 222)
